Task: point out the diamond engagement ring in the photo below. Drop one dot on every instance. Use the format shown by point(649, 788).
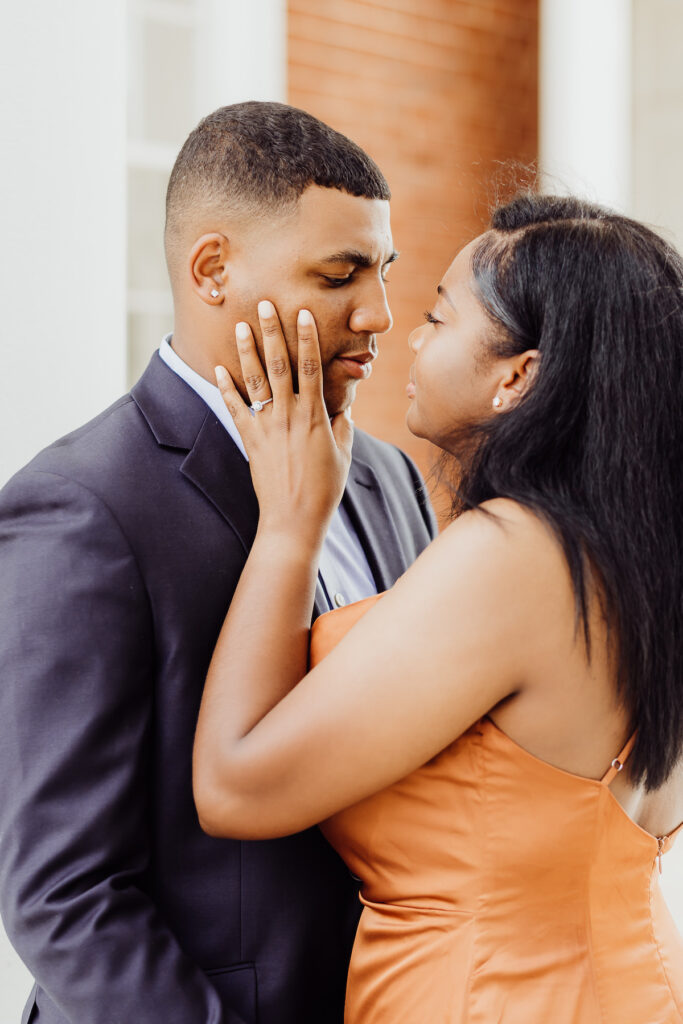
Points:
point(257, 406)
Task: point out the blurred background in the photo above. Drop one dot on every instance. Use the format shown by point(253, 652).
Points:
point(96, 100)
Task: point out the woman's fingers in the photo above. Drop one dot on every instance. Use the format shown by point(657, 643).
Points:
point(255, 380)
point(275, 381)
point(234, 402)
point(275, 352)
point(310, 369)
point(342, 430)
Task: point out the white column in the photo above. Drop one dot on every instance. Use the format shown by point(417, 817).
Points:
point(242, 52)
point(585, 99)
point(657, 117)
point(62, 260)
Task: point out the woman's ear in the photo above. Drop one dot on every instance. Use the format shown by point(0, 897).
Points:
point(208, 268)
point(521, 372)
point(527, 368)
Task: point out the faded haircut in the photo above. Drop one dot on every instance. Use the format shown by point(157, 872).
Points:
point(254, 158)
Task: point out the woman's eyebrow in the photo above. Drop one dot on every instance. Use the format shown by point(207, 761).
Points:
point(442, 291)
point(357, 258)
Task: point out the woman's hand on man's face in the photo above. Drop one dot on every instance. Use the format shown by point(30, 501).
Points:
point(299, 460)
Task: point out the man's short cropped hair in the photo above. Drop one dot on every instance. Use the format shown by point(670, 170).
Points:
point(260, 157)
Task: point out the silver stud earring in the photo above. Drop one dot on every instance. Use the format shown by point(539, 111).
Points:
point(497, 402)
point(214, 293)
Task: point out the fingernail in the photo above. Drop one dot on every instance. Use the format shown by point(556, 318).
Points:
point(221, 374)
point(265, 309)
point(242, 331)
point(304, 319)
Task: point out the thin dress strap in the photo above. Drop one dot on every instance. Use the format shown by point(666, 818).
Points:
point(618, 762)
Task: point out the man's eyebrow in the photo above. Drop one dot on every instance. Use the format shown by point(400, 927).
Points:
point(442, 291)
point(358, 258)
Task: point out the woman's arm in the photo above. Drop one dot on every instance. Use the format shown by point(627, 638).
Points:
point(442, 648)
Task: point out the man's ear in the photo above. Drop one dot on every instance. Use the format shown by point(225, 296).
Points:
point(521, 373)
point(208, 267)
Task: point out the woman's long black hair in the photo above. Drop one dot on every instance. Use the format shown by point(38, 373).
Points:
point(596, 446)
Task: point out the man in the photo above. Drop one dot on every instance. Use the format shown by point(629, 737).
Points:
point(121, 547)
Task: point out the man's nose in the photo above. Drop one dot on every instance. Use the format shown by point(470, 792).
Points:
point(372, 315)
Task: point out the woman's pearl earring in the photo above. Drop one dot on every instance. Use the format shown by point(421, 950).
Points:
point(497, 402)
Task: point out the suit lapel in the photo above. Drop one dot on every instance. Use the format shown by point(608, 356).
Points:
point(369, 513)
point(180, 419)
point(371, 519)
point(320, 605)
point(217, 467)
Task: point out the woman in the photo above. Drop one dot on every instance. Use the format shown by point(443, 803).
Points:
point(463, 739)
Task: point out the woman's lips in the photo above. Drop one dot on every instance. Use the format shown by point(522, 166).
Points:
point(410, 386)
point(360, 368)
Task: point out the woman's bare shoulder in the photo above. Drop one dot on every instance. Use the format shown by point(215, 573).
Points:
point(496, 573)
point(505, 535)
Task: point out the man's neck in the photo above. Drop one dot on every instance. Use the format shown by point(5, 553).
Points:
point(196, 360)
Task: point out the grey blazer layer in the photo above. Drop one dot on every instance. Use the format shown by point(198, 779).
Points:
point(120, 549)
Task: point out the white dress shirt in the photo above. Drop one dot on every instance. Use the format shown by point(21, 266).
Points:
point(344, 572)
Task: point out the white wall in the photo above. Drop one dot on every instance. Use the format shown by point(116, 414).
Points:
point(62, 187)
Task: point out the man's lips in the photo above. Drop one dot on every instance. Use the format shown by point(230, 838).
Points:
point(358, 365)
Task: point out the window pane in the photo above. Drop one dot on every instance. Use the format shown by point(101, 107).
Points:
point(168, 81)
point(145, 331)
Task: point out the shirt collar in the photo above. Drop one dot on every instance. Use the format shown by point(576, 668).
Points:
point(206, 391)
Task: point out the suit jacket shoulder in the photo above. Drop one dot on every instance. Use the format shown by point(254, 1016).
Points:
point(108, 449)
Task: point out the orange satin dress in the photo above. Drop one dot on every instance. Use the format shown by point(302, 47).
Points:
point(498, 889)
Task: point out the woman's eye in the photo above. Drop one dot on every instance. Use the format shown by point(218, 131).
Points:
point(430, 318)
point(337, 282)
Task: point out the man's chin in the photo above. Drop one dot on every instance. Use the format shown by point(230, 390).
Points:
point(340, 399)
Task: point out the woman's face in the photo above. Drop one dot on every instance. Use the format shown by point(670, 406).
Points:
point(454, 380)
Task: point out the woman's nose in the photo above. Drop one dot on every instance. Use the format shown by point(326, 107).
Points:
point(415, 339)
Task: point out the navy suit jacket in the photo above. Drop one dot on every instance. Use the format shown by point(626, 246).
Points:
point(120, 549)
